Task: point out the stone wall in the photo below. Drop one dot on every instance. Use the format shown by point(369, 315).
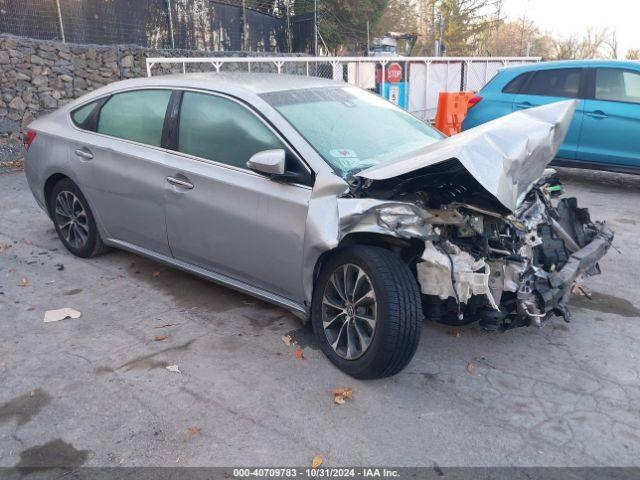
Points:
point(38, 76)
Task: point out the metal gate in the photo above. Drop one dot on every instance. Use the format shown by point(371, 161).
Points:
point(425, 77)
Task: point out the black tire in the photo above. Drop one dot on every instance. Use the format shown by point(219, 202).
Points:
point(399, 312)
point(92, 245)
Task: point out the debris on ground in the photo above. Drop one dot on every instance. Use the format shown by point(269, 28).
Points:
point(286, 339)
point(341, 395)
point(60, 267)
point(23, 283)
point(580, 290)
point(299, 354)
point(471, 368)
point(454, 332)
point(316, 461)
point(156, 273)
point(160, 338)
point(173, 368)
point(167, 325)
point(193, 432)
point(60, 314)
point(4, 247)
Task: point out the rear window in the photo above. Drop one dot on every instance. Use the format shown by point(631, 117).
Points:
point(562, 82)
point(136, 116)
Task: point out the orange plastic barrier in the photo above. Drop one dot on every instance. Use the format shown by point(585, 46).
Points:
point(452, 108)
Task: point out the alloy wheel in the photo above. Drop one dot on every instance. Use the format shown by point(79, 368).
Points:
point(349, 311)
point(71, 219)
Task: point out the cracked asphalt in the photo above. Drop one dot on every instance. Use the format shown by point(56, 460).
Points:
point(94, 391)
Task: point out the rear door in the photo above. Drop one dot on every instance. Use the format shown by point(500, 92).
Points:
point(118, 160)
point(610, 131)
point(223, 217)
point(554, 85)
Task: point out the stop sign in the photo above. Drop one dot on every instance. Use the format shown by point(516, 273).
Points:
point(394, 73)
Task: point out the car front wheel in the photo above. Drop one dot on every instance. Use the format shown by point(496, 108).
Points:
point(367, 312)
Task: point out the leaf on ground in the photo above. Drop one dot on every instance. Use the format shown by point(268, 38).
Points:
point(23, 283)
point(286, 339)
point(341, 395)
point(173, 368)
point(161, 338)
point(4, 247)
point(299, 354)
point(193, 431)
point(454, 332)
point(471, 368)
point(317, 461)
point(156, 274)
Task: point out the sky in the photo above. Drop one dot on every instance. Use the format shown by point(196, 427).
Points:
point(566, 17)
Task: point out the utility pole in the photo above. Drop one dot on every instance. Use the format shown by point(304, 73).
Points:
point(289, 26)
point(315, 27)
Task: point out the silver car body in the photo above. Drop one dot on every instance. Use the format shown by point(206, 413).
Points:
point(242, 229)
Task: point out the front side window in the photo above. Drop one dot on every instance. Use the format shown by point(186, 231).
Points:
point(137, 116)
point(351, 128)
point(563, 82)
point(617, 85)
point(220, 129)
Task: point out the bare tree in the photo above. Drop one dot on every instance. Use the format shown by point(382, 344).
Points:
point(633, 54)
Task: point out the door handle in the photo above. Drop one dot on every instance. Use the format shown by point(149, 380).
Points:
point(180, 183)
point(523, 105)
point(84, 153)
point(597, 114)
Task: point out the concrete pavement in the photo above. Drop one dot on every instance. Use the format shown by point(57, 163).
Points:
point(95, 390)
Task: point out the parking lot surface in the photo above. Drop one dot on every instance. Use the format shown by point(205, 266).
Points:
point(96, 391)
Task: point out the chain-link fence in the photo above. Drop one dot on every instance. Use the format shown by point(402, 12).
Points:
point(220, 25)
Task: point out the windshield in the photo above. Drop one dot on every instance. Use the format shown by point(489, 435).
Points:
point(351, 128)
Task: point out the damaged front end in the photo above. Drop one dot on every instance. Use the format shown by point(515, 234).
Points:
point(500, 245)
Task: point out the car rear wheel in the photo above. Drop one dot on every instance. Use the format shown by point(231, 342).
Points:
point(366, 312)
point(74, 221)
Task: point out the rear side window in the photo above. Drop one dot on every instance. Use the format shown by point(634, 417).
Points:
point(563, 82)
point(515, 85)
point(220, 129)
point(136, 116)
point(617, 85)
point(81, 115)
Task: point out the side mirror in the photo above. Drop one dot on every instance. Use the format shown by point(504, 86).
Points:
point(271, 162)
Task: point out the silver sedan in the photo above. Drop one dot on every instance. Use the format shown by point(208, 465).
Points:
point(324, 199)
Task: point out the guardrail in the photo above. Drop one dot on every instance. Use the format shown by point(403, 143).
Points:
point(424, 77)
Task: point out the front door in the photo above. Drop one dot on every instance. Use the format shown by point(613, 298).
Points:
point(223, 217)
point(612, 119)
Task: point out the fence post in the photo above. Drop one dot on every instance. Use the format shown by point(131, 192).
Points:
point(64, 40)
point(173, 42)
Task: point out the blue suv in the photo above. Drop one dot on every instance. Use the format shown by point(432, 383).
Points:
point(605, 131)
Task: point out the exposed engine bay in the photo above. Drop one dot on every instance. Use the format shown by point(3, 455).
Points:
point(500, 245)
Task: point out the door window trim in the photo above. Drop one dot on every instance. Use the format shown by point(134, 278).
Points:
point(591, 87)
point(104, 98)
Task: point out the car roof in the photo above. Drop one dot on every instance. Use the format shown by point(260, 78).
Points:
point(256, 83)
point(572, 63)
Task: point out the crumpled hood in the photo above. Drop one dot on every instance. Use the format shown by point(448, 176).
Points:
point(506, 156)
